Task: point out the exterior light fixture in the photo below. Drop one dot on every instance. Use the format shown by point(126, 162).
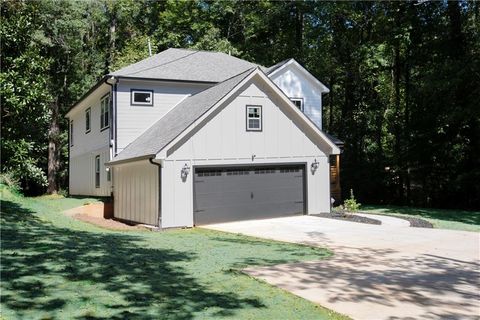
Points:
point(185, 171)
point(314, 166)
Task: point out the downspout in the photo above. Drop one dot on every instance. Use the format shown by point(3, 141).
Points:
point(112, 114)
point(159, 223)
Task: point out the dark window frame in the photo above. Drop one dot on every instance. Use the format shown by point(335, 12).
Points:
point(302, 103)
point(97, 171)
point(104, 110)
point(260, 129)
point(133, 103)
point(88, 120)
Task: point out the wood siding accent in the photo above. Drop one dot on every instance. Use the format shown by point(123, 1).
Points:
point(335, 186)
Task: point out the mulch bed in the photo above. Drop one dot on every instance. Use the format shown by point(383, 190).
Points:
point(348, 217)
point(414, 222)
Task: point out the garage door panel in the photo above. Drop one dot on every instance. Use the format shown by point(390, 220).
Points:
point(230, 194)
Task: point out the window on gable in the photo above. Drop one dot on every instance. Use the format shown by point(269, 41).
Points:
point(87, 120)
point(71, 133)
point(298, 102)
point(97, 172)
point(254, 118)
point(141, 97)
point(105, 112)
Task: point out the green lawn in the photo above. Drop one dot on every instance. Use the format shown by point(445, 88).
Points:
point(440, 218)
point(54, 267)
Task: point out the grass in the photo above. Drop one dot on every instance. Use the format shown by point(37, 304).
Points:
point(54, 267)
point(440, 218)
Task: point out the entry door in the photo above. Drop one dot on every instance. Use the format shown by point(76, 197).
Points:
point(244, 193)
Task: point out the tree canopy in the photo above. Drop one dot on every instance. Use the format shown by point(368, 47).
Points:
point(404, 80)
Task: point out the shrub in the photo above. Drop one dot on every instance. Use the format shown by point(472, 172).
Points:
point(351, 204)
point(10, 181)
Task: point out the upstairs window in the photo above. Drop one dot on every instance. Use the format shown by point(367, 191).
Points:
point(71, 133)
point(298, 102)
point(105, 112)
point(254, 118)
point(141, 97)
point(97, 172)
point(87, 120)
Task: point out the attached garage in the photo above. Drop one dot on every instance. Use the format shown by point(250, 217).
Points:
point(226, 194)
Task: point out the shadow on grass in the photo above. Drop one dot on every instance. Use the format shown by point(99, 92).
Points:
point(39, 260)
point(468, 217)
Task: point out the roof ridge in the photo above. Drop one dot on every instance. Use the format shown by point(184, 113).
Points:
point(164, 64)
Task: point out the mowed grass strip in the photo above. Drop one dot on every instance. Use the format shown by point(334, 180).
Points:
point(54, 267)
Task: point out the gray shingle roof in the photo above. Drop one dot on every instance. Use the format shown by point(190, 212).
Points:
point(187, 65)
point(178, 119)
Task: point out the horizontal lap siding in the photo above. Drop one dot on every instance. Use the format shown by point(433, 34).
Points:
point(132, 121)
point(136, 192)
point(82, 174)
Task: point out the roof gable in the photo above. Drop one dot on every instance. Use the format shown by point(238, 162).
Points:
point(188, 114)
point(284, 65)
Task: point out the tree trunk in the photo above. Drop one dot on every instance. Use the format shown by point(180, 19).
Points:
point(53, 149)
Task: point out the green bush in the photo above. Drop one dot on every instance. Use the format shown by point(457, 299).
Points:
point(351, 204)
point(10, 181)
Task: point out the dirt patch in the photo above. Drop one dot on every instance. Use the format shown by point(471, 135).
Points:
point(105, 223)
point(94, 214)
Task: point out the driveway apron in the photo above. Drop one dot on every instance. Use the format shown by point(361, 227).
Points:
point(378, 271)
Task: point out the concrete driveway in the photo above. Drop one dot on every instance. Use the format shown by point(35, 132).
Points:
point(378, 271)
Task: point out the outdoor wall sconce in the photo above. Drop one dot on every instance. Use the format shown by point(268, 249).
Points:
point(315, 165)
point(185, 171)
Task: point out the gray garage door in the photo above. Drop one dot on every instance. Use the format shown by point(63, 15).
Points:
point(232, 194)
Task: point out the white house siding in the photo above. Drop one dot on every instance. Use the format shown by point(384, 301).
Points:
point(295, 85)
point(136, 192)
point(224, 140)
point(86, 146)
point(82, 174)
point(134, 120)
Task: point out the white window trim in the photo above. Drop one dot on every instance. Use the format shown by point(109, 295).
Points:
point(89, 112)
point(103, 109)
point(302, 105)
point(132, 95)
point(260, 128)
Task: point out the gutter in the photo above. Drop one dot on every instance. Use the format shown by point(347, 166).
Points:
point(159, 223)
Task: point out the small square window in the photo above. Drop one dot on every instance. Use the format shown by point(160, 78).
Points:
point(141, 97)
point(88, 112)
point(298, 102)
point(254, 118)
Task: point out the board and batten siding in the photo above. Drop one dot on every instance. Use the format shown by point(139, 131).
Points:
point(136, 193)
point(133, 120)
point(295, 85)
point(86, 146)
point(224, 141)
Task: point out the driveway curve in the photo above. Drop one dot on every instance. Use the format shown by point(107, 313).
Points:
point(378, 271)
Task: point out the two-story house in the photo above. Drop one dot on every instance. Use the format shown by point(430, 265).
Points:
point(187, 138)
